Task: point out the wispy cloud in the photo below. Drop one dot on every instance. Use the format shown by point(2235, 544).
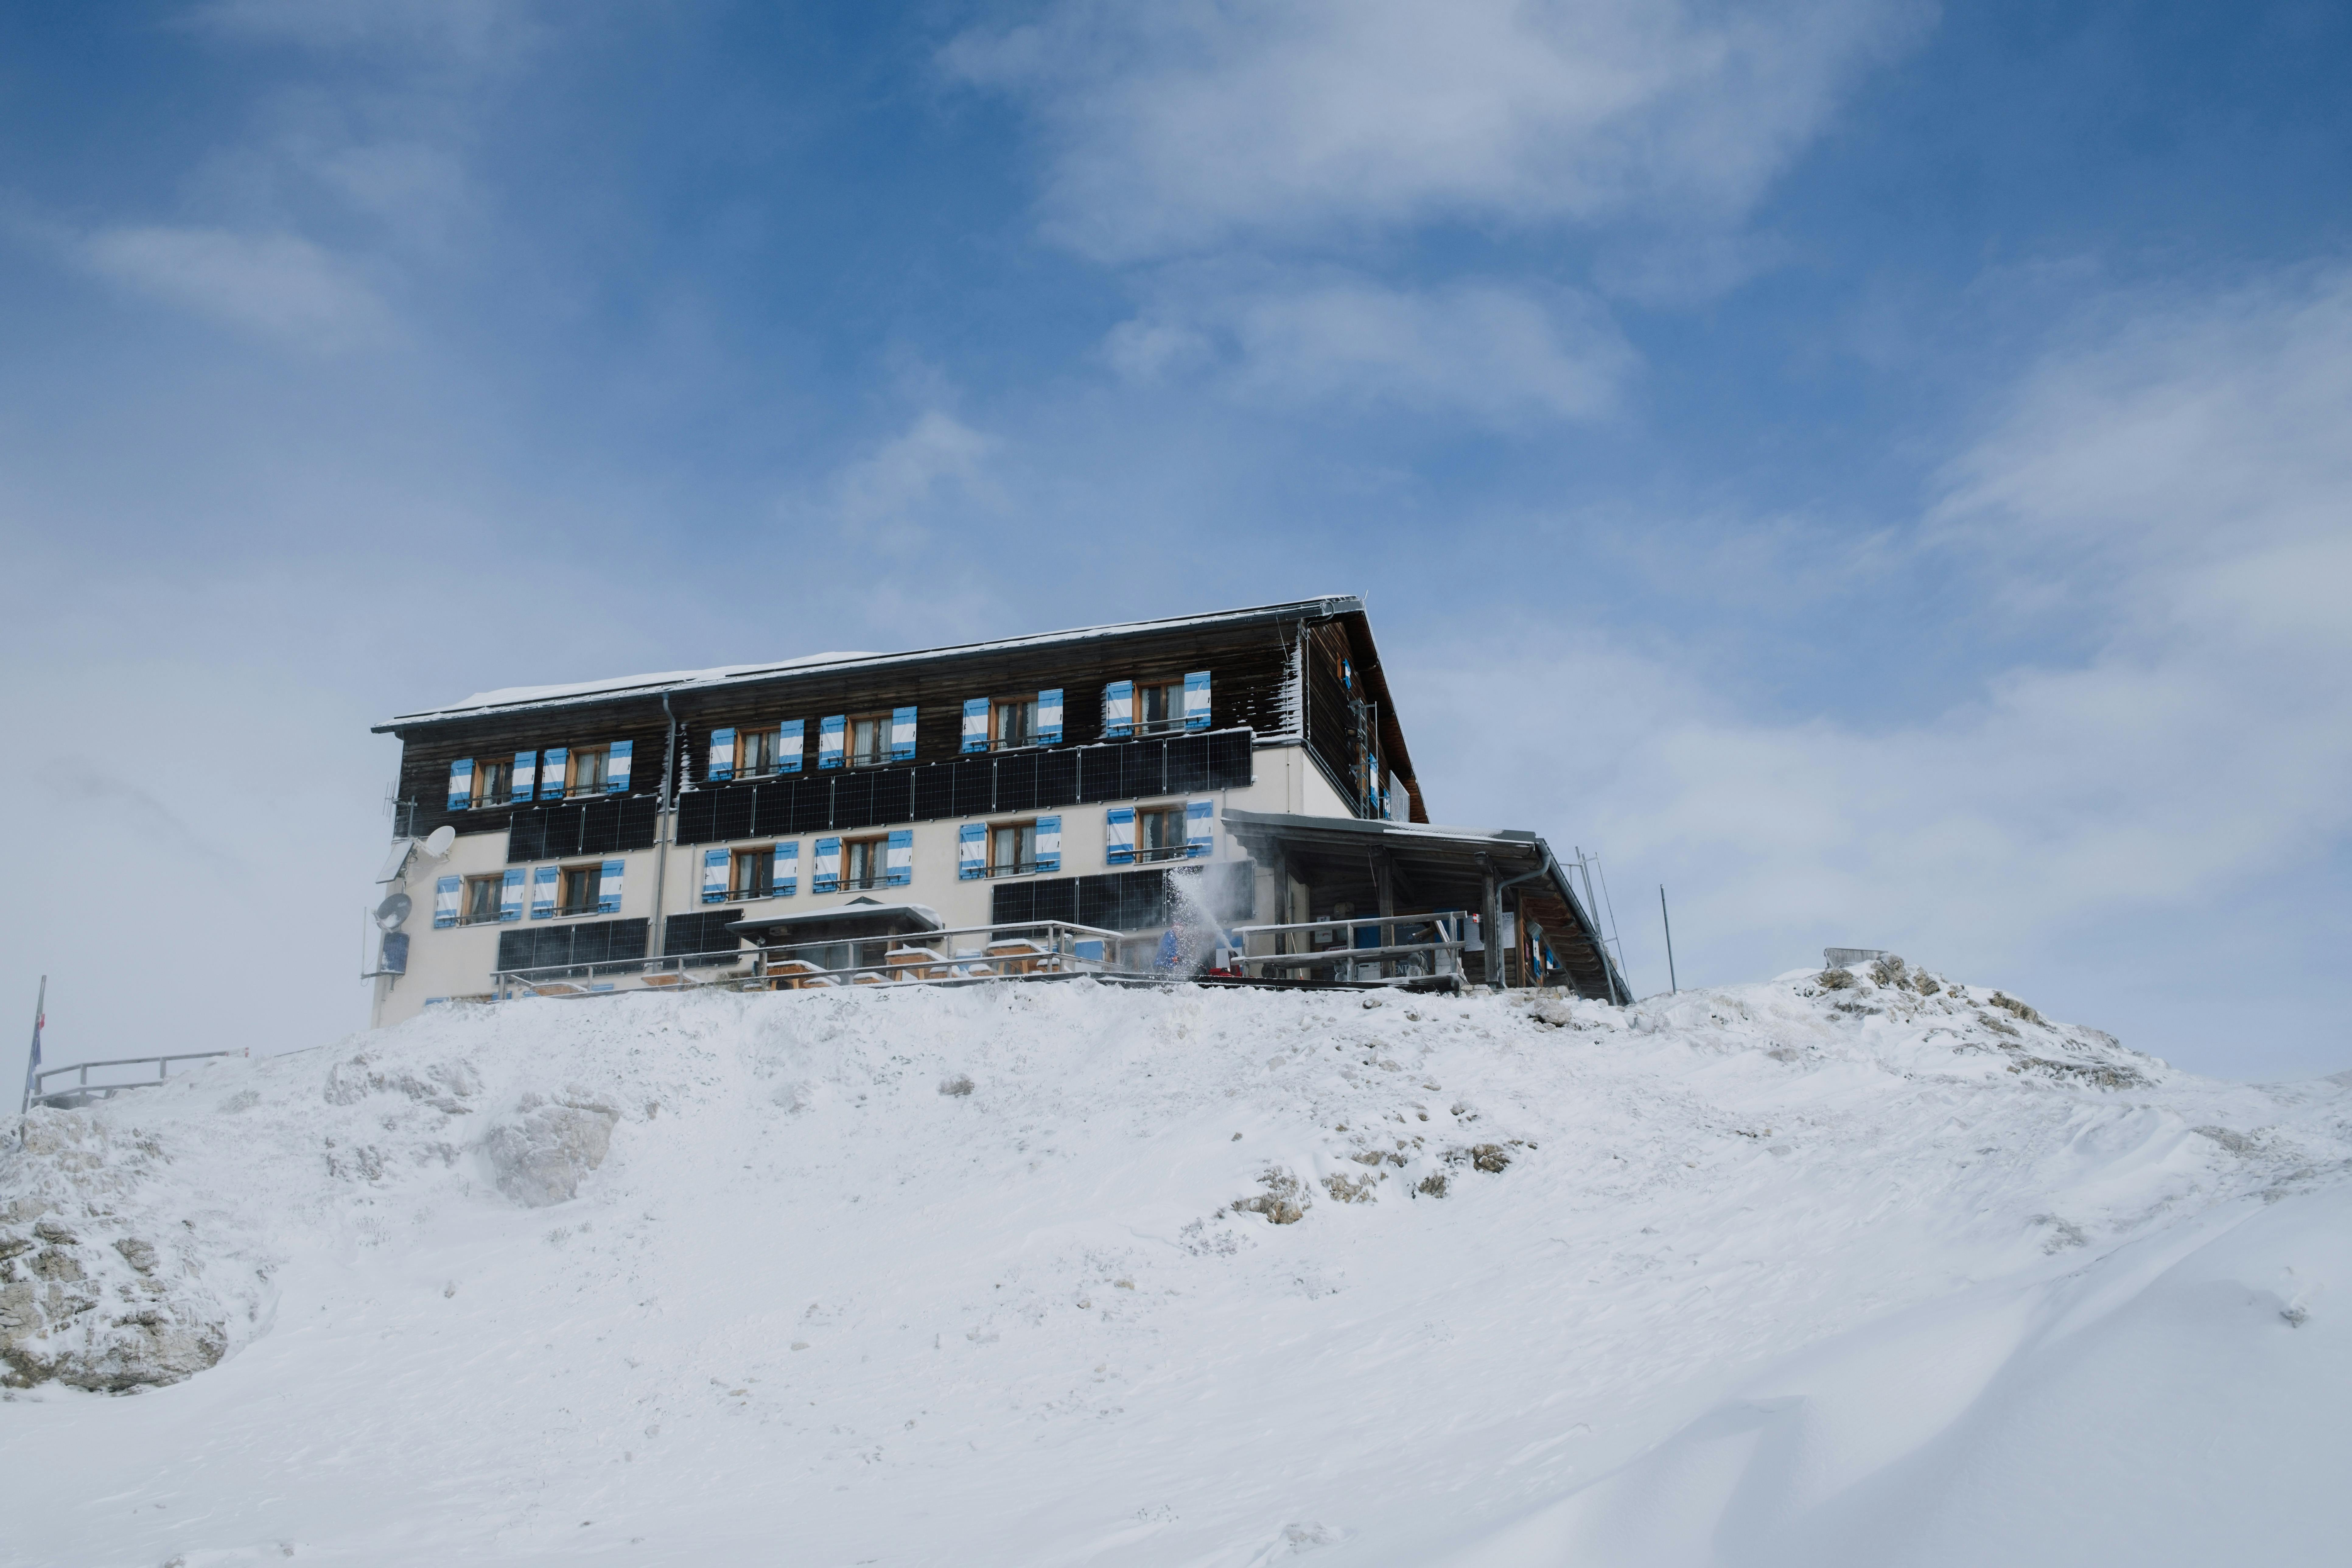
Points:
point(280, 285)
point(1501, 353)
point(2170, 492)
point(1176, 129)
point(905, 490)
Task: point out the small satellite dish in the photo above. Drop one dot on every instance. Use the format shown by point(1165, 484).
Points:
point(437, 843)
point(392, 912)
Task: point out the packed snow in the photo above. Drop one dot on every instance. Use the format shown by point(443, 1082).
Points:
point(1859, 1269)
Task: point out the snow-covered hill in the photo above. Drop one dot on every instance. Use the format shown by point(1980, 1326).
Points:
point(1889, 1273)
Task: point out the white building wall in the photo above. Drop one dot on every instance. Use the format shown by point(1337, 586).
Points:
point(457, 961)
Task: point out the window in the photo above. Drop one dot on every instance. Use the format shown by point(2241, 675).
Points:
point(754, 874)
point(755, 754)
point(1014, 722)
point(865, 862)
point(1158, 706)
point(1012, 849)
point(490, 780)
point(869, 740)
point(581, 884)
point(588, 766)
point(482, 895)
point(1160, 832)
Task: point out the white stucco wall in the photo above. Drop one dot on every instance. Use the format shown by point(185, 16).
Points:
point(457, 961)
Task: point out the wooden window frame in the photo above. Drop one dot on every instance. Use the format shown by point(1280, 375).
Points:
point(849, 754)
point(595, 871)
point(758, 856)
point(496, 883)
point(484, 770)
point(574, 756)
point(997, 708)
point(1175, 720)
point(743, 768)
point(1176, 851)
point(989, 867)
point(881, 843)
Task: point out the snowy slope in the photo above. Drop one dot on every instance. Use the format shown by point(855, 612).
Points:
point(1767, 1274)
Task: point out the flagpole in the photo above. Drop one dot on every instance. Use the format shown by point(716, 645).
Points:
point(33, 1063)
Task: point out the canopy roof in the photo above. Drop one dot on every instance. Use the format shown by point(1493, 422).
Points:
point(858, 920)
point(1433, 868)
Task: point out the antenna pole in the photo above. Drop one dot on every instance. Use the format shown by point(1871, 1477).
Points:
point(33, 1063)
point(1673, 986)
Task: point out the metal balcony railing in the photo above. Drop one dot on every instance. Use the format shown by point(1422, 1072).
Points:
point(1402, 948)
point(961, 955)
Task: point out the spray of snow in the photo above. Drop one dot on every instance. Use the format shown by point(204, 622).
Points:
point(1851, 1268)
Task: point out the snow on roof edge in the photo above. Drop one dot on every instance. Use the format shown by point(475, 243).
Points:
point(507, 698)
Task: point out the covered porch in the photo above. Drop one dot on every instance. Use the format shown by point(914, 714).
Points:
point(1362, 894)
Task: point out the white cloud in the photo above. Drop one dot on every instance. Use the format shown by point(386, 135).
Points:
point(278, 284)
point(1499, 353)
point(2173, 495)
point(1179, 128)
point(895, 496)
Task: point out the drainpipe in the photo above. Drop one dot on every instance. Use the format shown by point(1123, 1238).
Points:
point(661, 834)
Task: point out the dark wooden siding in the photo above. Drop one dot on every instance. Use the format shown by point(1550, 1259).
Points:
point(1250, 665)
point(427, 752)
point(1248, 669)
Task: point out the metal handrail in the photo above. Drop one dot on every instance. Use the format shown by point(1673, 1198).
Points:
point(163, 1071)
point(1057, 949)
point(1391, 959)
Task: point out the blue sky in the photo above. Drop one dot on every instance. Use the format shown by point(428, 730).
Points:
point(1878, 470)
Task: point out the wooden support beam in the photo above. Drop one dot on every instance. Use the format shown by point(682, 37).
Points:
point(1490, 921)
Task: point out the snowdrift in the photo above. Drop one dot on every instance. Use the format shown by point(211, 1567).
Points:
point(1862, 1268)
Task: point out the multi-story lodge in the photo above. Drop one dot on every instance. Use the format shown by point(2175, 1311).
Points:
point(641, 830)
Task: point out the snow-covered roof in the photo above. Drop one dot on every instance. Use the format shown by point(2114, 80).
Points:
point(511, 697)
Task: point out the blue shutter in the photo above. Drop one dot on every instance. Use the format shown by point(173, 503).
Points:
point(975, 724)
point(542, 892)
point(510, 895)
point(722, 756)
point(1049, 717)
point(616, 767)
point(825, 877)
point(787, 876)
point(971, 851)
point(608, 888)
point(1118, 709)
point(790, 736)
point(1049, 844)
point(830, 735)
point(714, 876)
point(1196, 700)
point(524, 784)
point(551, 773)
point(461, 784)
point(899, 857)
point(1118, 836)
point(444, 902)
point(902, 734)
point(1200, 828)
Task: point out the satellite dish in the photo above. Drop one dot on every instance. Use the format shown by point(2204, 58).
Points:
point(438, 843)
point(392, 912)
